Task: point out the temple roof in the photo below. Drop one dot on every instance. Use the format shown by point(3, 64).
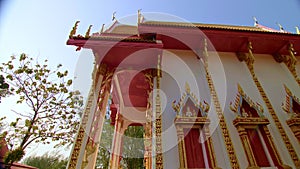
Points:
point(209, 26)
point(224, 38)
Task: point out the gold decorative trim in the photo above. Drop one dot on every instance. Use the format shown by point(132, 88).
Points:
point(226, 135)
point(294, 121)
point(158, 121)
point(149, 124)
point(178, 107)
point(87, 34)
point(185, 122)
point(289, 60)
point(288, 107)
point(117, 142)
point(243, 121)
point(238, 102)
point(81, 133)
point(190, 120)
point(271, 110)
point(73, 31)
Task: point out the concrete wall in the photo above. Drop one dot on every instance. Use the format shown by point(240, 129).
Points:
point(227, 71)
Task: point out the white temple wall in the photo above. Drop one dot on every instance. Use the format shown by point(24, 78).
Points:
point(236, 73)
point(173, 83)
point(273, 76)
point(226, 71)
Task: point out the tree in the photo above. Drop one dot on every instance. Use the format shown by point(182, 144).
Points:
point(50, 107)
point(3, 87)
point(133, 148)
point(105, 145)
point(47, 161)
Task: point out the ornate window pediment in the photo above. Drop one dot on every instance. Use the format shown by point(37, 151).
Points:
point(292, 107)
point(292, 104)
point(254, 133)
point(189, 105)
point(195, 146)
point(245, 108)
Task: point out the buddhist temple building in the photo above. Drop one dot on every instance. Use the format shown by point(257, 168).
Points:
point(208, 96)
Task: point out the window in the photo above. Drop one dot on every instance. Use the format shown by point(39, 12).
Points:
point(292, 107)
point(194, 143)
point(254, 133)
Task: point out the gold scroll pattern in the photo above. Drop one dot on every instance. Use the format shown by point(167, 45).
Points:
point(158, 121)
point(81, 133)
point(271, 110)
point(82, 129)
point(291, 62)
point(294, 121)
point(149, 124)
point(229, 146)
point(91, 146)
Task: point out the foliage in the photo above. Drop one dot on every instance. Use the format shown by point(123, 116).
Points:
point(14, 155)
point(47, 161)
point(50, 107)
point(133, 148)
point(3, 87)
point(105, 145)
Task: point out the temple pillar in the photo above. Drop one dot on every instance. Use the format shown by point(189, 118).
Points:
point(148, 145)
point(96, 129)
point(181, 148)
point(85, 143)
point(210, 147)
point(120, 126)
point(247, 148)
point(158, 118)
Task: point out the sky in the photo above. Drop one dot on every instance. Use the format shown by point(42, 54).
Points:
point(41, 28)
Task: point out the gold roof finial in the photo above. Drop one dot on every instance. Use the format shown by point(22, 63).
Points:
point(102, 28)
point(114, 16)
point(280, 27)
point(139, 16)
point(255, 21)
point(297, 30)
point(87, 34)
point(73, 31)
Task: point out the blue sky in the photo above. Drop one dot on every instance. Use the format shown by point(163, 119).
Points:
point(41, 28)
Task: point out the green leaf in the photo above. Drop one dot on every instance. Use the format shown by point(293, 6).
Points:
point(9, 77)
point(69, 82)
point(27, 123)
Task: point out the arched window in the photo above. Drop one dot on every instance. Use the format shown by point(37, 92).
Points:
point(194, 142)
point(254, 133)
point(292, 107)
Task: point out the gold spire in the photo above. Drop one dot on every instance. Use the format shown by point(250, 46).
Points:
point(73, 31)
point(255, 21)
point(102, 28)
point(87, 34)
point(139, 16)
point(114, 16)
point(297, 30)
point(280, 27)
